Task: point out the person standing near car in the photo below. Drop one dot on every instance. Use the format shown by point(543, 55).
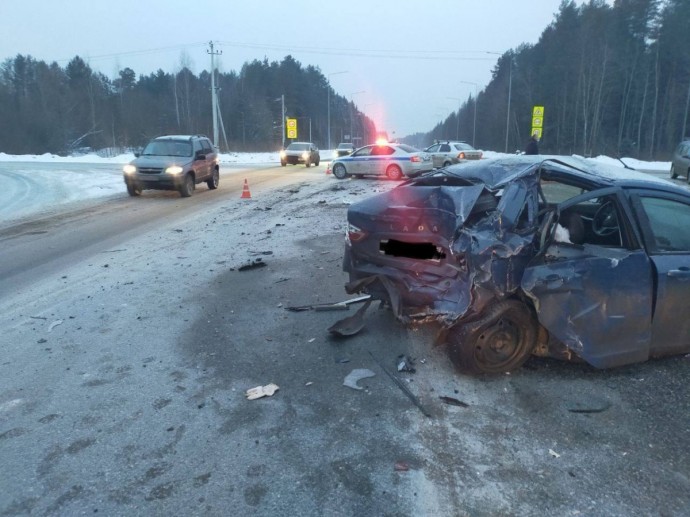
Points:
point(532, 145)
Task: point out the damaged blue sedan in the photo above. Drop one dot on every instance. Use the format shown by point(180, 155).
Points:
point(551, 256)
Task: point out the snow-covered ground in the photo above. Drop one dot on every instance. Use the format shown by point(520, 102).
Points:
point(47, 184)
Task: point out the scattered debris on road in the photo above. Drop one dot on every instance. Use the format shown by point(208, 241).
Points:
point(352, 324)
point(554, 453)
point(452, 401)
point(344, 305)
point(401, 466)
point(406, 364)
point(257, 263)
point(403, 388)
point(261, 391)
point(357, 375)
point(54, 324)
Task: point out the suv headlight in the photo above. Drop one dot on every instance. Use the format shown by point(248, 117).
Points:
point(129, 169)
point(305, 155)
point(173, 169)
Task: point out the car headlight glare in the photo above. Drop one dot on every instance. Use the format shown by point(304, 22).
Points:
point(174, 169)
point(129, 169)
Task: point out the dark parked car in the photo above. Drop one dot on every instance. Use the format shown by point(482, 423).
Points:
point(300, 152)
point(174, 162)
point(551, 256)
point(680, 163)
point(343, 149)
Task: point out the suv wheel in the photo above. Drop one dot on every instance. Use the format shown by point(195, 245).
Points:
point(133, 189)
point(308, 162)
point(187, 186)
point(316, 163)
point(213, 180)
point(674, 174)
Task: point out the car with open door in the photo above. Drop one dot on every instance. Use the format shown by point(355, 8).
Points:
point(551, 256)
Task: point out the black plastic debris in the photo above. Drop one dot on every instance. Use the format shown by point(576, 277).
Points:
point(406, 364)
point(256, 263)
point(451, 401)
point(352, 324)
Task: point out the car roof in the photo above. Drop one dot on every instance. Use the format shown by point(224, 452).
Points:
point(496, 173)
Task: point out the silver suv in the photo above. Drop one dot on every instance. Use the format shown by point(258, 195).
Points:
point(680, 164)
point(173, 162)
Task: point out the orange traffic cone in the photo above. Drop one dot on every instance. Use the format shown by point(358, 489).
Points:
point(328, 169)
point(245, 191)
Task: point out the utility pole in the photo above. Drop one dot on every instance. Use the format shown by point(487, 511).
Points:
point(282, 116)
point(214, 92)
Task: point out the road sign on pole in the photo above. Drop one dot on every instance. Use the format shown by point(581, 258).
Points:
point(291, 128)
point(537, 121)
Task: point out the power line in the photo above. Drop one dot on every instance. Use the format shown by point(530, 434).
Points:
point(136, 52)
point(445, 55)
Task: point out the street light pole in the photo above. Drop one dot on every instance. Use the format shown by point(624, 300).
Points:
point(328, 88)
point(474, 124)
point(351, 116)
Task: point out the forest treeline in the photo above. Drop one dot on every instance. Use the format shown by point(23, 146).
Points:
point(613, 80)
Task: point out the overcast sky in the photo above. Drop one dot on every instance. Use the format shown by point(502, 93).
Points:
point(407, 63)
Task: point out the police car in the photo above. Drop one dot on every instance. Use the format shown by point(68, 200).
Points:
point(392, 160)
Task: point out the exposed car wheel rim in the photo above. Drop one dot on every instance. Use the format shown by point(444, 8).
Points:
point(213, 182)
point(339, 171)
point(499, 342)
point(394, 172)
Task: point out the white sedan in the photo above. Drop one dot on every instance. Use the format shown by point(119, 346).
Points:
point(391, 160)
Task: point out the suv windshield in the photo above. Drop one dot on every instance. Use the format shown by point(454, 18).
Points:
point(168, 148)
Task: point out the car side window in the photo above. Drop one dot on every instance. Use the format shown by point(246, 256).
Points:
point(206, 146)
point(196, 146)
point(364, 151)
point(433, 149)
point(669, 221)
point(445, 148)
point(382, 150)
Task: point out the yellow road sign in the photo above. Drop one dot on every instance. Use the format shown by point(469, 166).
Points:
point(537, 122)
point(537, 131)
point(538, 111)
point(291, 127)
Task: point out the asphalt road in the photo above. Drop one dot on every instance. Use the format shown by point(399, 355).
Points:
point(129, 337)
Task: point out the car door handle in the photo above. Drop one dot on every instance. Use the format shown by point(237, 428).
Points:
point(681, 272)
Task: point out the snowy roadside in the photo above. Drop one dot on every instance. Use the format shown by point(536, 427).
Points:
point(36, 184)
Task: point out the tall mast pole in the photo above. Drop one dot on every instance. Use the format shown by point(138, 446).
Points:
point(214, 93)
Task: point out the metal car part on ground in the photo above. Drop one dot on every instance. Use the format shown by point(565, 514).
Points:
point(173, 162)
point(394, 161)
point(300, 152)
point(552, 256)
